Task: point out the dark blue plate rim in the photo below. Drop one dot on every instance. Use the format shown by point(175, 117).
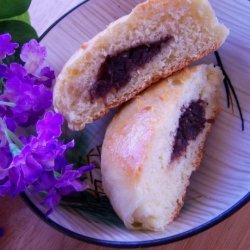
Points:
point(148, 243)
point(135, 244)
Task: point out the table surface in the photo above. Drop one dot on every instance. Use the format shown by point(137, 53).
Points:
point(23, 230)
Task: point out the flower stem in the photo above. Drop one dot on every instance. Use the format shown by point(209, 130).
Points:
point(15, 139)
point(1, 86)
point(15, 150)
point(9, 104)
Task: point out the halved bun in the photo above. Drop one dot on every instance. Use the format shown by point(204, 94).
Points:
point(144, 173)
point(186, 30)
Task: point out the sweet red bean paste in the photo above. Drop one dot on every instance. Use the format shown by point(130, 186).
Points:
point(115, 71)
point(191, 124)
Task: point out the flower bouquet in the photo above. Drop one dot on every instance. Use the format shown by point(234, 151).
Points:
point(34, 161)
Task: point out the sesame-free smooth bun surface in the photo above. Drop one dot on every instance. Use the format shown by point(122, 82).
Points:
point(145, 185)
point(194, 31)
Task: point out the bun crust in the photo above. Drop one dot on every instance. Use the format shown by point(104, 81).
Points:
point(144, 184)
point(195, 32)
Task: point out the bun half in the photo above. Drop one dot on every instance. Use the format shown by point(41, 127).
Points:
point(155, 142)
point(156, 39)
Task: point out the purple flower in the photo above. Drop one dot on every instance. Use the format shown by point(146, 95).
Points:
point(47, 75)
point(10, 123)
point(33, 54)
point(16, 70)
point(24, 170)
point(26, 96)
point(6, 46)
point(30, 100)
point(52, 200)
point(67, 183)
point(42, 166)
point(50, 126)
point(3, 69)
point(6, 159)
point(37, 163)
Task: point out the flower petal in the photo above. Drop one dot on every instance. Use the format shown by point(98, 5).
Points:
point(50, 126)
point(6, 46)
point(33, 54)
point(47, 75)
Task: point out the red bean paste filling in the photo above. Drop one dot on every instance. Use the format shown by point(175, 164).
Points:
point(191, 124)
point(116, 70)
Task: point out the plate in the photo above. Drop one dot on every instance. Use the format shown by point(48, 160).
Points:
point(217, 189)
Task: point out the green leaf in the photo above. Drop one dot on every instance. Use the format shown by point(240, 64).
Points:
point(20, 31)
point(23, 17)
point(11, 8)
